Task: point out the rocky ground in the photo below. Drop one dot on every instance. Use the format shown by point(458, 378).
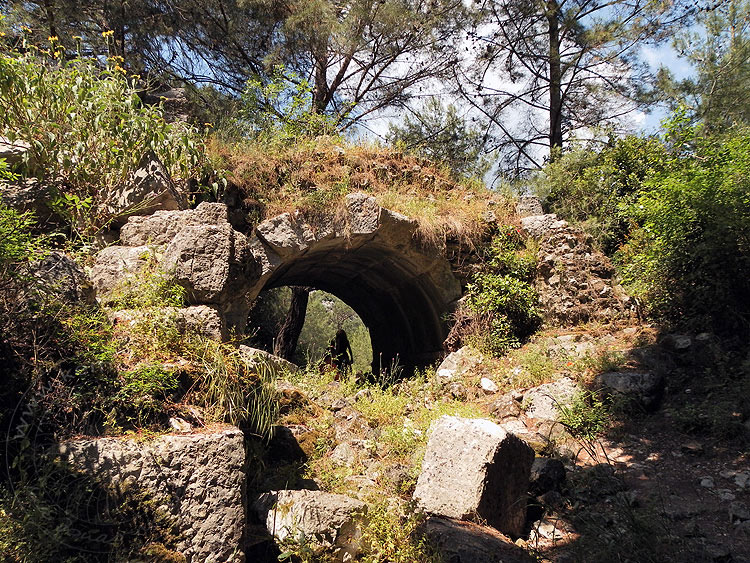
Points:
point(651, 475)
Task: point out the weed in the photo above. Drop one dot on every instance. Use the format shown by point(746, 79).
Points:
point(586, 417)
point(393, 535)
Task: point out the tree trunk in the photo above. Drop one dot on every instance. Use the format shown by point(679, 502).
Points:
point(555, 78)
point(286, 339)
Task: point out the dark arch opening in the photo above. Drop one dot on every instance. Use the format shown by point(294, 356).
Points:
point(396, 298)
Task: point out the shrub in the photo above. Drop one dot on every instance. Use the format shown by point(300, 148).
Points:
point(502, 297)
point(593, 188)
point(690, 258)
point(87, 131)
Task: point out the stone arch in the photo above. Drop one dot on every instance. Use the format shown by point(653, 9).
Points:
point(369, 257)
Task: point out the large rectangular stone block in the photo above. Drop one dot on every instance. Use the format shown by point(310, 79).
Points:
point(474, 469)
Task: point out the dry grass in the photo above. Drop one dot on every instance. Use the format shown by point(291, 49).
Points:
point(314, 176)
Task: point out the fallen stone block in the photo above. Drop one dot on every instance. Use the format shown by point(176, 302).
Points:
point(475, 469)
point(329, 522)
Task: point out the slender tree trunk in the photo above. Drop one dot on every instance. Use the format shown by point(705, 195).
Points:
point(286, 339)
point(555, 77)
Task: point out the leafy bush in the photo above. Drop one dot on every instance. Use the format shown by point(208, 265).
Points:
point(502, 297)
point(87, 131)
point(394, 537)
point(586, 417)
point(690, 258)
point(591, 188)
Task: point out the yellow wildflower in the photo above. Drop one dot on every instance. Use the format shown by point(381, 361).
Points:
point(109, 33)
point(53, 38)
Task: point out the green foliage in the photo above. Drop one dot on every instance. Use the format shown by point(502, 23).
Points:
point(393, 536)
point(144, 393)
point(281, 109)
point(593, 188)
point(87, 131)
point(233, 392)
point(586, 417)
point(690, 258)
point(501, 296)
point(441, 135)
point(17, 244)
point(718, 48)
point(151, 287)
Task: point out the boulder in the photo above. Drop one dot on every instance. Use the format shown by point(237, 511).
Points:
point(196, 479)
point(212, 262)
point(115, 264)
point(29, 194)
point(331, 523)
point(466, 542)
point(646, 388)
point(475, 469)
point(542, 402)
point(255, 357)
point(459, 362)
point(286, 234)
point(13, 151)
point(149, 188)
point(198, 319)
point(161, 227)
point(546, 475)
point(61, 276)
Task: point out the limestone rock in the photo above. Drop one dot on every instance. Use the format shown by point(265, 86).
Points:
point(29, 194)
point(466, 542)
point(149, 189)
point(61, 276)
point(645, 387)
point(114, 264)
point(475, 469)
point(13, 152)
point(331, 522)
point(162, 226)
point(255, 357)
point(538, 226)
point(197, 479)
point(198, 319)
point(488, 386)
point(396, 228)
point(285, 234)
point(363, 213)
point(542, 401)
point(212, 262)
point(459, 362)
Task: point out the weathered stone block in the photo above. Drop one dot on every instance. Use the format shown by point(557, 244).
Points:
point(255, 357)
point(475, 469)
point(459, 362)
point(163, 226)
point(208, 261)
point(199, 319)
point(543, 402)
point(286, 234)
point(363, 213)
point(114, 264)
point(149, 189)
point(332, 522)
point(196, 478)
